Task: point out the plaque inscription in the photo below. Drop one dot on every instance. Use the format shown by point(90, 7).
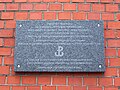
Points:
point(59, 46)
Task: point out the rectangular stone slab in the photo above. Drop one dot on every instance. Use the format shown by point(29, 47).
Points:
point(59, 46)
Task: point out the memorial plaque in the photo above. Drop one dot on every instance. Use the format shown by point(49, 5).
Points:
point(59, 46)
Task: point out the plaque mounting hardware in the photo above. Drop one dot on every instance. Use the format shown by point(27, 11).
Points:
point(100, 66)
point(98, 25)
point(18, 66)
point(20, 25)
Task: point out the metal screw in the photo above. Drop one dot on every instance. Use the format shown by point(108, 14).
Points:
point(18, 66)
point(100, 66)
point(20, 25)
point(98, 25)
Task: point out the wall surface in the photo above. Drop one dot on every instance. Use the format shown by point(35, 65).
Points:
point(107, 10)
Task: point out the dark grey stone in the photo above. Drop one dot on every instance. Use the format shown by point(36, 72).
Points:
point(59, 46)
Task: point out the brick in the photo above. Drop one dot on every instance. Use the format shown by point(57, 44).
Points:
point(12, 54)
point(117, 81)
point(106, 1)
point(118, 34)
point(2, 79)
point(110, 52)
point(63, 0)
point(106, 62)
point(117, 1)
point(18, 88)
point(35, 15)
point(5, 1)
point(10, 24)
point(64, 15)
point(48, 88)
point(105, 24)
point(9, 42)
point(1, 42)
point(109, 33)
point(98, 7)
point(12, 7)
point(64, 88)
point(79, 88)
point(49, 0)
point(7, 15)
point(13, 79)
point(28, 80)
point(33, 88)
point(44, 80)
point(4, 87)
point(118, 16)
point(114, 25)
point(59, 80)
point(118, 52)
point(26, 6)
point(40, 7)
point(12, 71)
point(9, 60)
point(49, 15)
point(94, 88)
point(1, 24)
point(55, 7)
point(5, 51)
point(111, 88)
point(110, 72)
point(77, 1)
point(0, 60)
point(74, 81)
point(107, 16)
point(84, 7)
point(105, 81)
point(105, 43)
point(2, 6)
point(69, 7)
point(93, 16)
point(6, 33)
point(34, 0)
point(79, 16)
point(21, 15)
point(20, 0)
point(112, 8)
point(87, 81)
point(114, 62)
point(4, 70)
point(113, 43)
point(92, 0)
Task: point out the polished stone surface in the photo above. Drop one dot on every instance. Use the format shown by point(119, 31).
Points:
point(59, 46)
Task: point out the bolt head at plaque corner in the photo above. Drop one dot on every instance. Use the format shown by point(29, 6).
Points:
point(20, 25)
point(100, 66)
point(18, 66)
point(98, 25)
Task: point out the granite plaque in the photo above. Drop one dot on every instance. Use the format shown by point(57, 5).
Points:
point(59, 46)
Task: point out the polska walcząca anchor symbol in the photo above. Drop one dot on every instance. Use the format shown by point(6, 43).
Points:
point(59, 52)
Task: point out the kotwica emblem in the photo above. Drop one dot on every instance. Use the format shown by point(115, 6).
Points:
point(59, 52)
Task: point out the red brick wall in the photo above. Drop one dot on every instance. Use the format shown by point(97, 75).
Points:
point(107, 10)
